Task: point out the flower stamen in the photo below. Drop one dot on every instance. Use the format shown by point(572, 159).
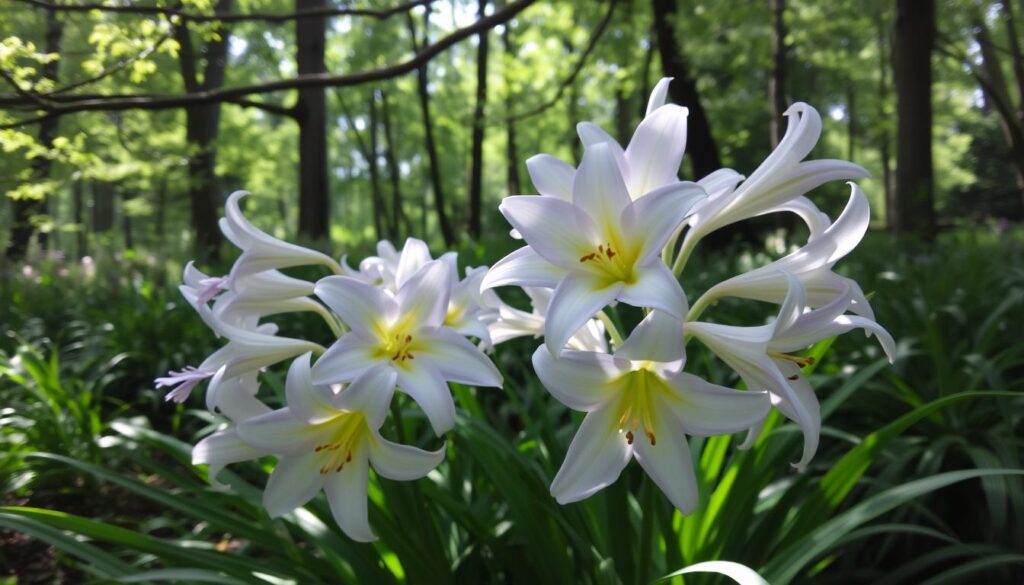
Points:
point(802, 361)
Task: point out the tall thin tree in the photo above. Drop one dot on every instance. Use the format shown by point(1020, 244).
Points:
point(912, 51)
point(702, 149)
point(23, 209)
point(202, 126)
point(477, 150)
point(423, 91)
point(311, 115)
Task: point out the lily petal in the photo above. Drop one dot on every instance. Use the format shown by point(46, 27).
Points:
point(360, 305)
point(347, 496)
point(597, 455)
point(578, 298)
point(415, 254)
point(424, 383)
point(656, 150)
point(706, 409)
point(654, 217)
point(658, 338)
point(369, 394)
point(523, 267)
point(279, 431)
point(402, 462)
point(294, 481)
point(344, 361)
point(223, 448)
point(459, 360)
point(307, 401)
point(656, 287)
point(557, 230)
point(581, 380)
point(669, 463)
point(658, 95)
point(598, 186)
point(551, 176)
point(424, 297)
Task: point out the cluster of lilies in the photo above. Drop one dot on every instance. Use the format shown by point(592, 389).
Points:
point(619, 228)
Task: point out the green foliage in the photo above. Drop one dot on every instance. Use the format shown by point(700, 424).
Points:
point(897, 489)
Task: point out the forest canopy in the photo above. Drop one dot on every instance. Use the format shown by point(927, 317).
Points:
point(132, 121)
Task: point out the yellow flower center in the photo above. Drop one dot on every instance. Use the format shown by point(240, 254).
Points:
point(611, 262)
point(636, 407)
point(396, 343)
point(344, 432)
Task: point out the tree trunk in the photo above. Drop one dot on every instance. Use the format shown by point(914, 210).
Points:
point(701, 147)
point(78, 204)
point(511, 150)
point(202, 126)
point(476, 188)
point(22, 210)
point(914, 39)
point(777, 81)
point(884, 134)
point(428, 132)
point(126, 221)
point(311, 115)
point(102, 206)
point(380, 219)
point(623, 131)
point(1016, 144)
point(398, 217)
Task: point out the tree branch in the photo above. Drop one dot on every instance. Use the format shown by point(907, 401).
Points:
point(75, 103)
point(275, 109)
point(186, 16)
point(577, 68)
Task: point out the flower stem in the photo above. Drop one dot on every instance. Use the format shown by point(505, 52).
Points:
point(699, 307)
point(684, 255)
point(611, 328)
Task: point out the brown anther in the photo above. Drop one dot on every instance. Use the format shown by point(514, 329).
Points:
point(408, 338)
point(340, 467)
point(349, 458)
point(650, 436)
point(610, 253)
point(809, 360)
point(629, 437)
point(793, 377)
point(600, 248)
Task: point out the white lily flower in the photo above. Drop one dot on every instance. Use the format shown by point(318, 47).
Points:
point(261, 251)
point(761, 355)
point(391, 269)
point(601, 247)
point(510, 323)
point(811, 265)
point(781, 178)
point(640, 404)
point(649, 162)
point(323, 441)
point(403, 333)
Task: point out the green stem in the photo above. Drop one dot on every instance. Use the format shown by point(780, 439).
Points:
point(700, 306)
point(670, 246)
point(684, 254)
point(613, 330)
point(644, 558)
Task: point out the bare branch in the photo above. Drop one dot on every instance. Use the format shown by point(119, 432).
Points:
point(31, 96)
point(121, 66)
point(266, 107)
point(68, 104)
point(577, 68)
point(186, 16)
